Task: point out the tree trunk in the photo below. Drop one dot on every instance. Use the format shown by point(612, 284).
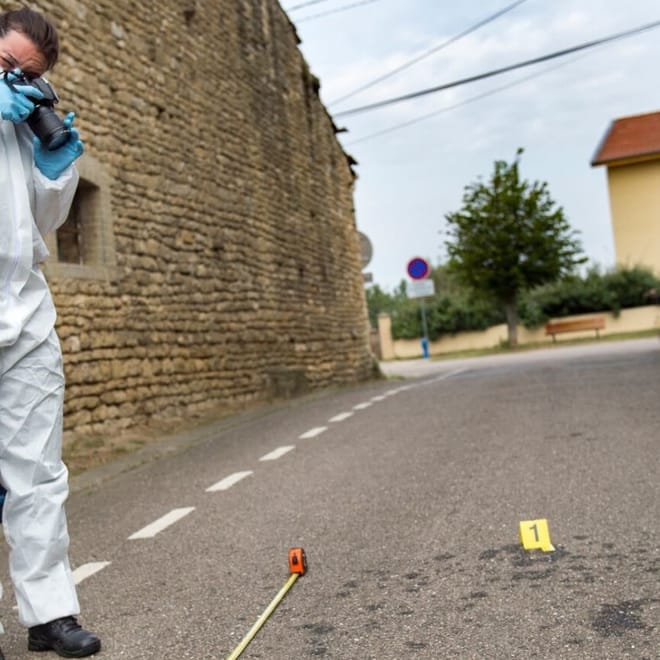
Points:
point(510, 307)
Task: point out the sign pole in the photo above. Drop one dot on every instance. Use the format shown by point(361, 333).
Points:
point(419, 270)
point(425, 330)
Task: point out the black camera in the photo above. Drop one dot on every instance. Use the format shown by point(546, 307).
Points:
point(44, 121)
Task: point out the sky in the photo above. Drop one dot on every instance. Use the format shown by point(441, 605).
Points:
point(557, 111)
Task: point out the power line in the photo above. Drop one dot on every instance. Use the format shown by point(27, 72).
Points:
point(496, 72)
point(435, 49)
point(335, 11)
point(304, 4)
point(467, 101)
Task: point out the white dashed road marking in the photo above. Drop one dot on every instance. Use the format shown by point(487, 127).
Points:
point(87, 570)
point(162, 523)
point(312, 433)
point(341, 417)
point(277, 453)
point(362, 406)
point(228, 482)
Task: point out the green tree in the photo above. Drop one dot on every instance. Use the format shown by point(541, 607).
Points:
point(377, 301)
point(508, 237)
point(380, 301)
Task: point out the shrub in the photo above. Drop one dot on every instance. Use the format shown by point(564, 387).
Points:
point(455, 309)
point(444, 315)
point(594, 292)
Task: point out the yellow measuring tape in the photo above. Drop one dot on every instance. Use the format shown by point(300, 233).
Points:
point(298, 566)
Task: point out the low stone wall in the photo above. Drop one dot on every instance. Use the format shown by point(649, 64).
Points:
point(630, 320)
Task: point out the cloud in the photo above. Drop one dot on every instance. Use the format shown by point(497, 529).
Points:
point(408, 179)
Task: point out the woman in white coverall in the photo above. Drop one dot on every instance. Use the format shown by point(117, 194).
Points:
point(36, 191)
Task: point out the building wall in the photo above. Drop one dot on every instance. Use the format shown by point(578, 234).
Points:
point(635, 206)
point(235, 272)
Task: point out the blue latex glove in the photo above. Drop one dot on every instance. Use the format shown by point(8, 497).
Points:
point(52, 163)
point(15, 103)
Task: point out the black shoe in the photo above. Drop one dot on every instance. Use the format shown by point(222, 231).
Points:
point(64, 636)
point(2, 657)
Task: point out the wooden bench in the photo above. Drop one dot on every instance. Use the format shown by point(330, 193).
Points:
point(574, 325)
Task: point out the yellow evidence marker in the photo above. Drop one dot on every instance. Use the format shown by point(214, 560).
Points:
point(535, 535)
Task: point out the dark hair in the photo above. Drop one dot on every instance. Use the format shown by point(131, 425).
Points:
point(36, 28)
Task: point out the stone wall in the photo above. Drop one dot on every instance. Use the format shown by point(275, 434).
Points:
point(235, 274)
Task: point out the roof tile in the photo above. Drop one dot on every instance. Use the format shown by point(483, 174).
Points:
point(630, 138)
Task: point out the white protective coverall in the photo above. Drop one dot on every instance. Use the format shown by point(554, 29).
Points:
point(32, 385)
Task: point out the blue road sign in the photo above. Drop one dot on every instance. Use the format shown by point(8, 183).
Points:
point(418, 268)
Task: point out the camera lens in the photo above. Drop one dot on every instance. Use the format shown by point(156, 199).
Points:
point(48, 127)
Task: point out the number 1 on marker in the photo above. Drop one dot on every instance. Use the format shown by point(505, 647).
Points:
point(535, 535)
point(535, 529)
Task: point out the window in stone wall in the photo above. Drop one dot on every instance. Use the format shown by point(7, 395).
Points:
point(70, 247)
point(83, 247)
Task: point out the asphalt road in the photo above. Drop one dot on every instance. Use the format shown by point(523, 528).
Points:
point(406, 495)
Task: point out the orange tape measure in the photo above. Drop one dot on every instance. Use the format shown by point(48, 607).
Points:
point(297, 566)
point(297, 561)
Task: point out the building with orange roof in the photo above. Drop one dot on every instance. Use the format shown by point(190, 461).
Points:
point(630, 150)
